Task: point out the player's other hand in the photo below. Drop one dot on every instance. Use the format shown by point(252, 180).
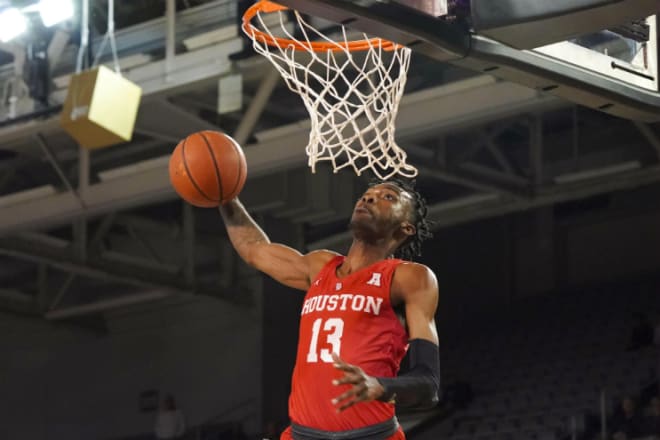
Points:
point(364, 387)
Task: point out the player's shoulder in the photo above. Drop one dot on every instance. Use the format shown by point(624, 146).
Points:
point(321, 256)
point(317, 259)
point(410, 268)
point(411, 275)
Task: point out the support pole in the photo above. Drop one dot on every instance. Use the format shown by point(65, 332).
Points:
point(80, 224)
point(42, 286)
point(63, 290)
point(170, 36)
point(256, 107)
point(536, 149)
point(649, 135)
point(58, 168)
point(603, 415)
point(189, 243)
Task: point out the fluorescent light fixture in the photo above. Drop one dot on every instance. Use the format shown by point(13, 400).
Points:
point(12, 24)
point(55, 11)
point(598, 172)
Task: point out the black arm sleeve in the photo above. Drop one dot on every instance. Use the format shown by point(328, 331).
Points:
point(419, 387)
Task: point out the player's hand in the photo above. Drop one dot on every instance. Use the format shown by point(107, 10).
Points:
point(364, 387)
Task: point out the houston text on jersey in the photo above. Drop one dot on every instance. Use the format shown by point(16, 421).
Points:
point(344, 301)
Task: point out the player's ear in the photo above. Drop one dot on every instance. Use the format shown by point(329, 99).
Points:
point(408, 228)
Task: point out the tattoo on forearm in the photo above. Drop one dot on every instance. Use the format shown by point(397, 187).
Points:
point(242, 229)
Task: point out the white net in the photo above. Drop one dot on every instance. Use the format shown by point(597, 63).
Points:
point(352, 96)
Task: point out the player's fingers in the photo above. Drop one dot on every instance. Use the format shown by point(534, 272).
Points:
point(341, 365)
point(357, 393)
point(359, 397)
point(347, 405)
point(348, 368)
point(347, 395)
point(348, 378)
point(344, 366)
point(363, 393)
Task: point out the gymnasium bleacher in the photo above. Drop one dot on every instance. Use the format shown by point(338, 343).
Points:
point(540, 368)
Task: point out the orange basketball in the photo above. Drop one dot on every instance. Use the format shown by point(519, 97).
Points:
point(208, 168)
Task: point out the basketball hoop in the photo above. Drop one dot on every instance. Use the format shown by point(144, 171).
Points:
point(351, 88)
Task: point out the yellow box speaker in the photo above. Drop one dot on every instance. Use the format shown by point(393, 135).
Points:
point(100, 108)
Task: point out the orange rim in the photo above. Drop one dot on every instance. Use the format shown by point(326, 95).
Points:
point(267, 6)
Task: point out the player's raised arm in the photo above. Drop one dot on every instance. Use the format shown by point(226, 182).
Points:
point(282, 263)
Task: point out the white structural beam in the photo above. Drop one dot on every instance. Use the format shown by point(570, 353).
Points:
point(282, 148)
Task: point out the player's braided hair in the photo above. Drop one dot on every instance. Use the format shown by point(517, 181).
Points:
point(412, 247)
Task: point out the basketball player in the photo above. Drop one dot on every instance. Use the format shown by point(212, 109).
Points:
point(351, 338)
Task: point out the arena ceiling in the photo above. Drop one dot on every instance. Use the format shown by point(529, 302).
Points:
point(72, 247)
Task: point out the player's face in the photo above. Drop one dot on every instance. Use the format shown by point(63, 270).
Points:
point(382, 207)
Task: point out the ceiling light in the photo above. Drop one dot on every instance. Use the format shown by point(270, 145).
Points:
point(55, 11)
point(12, 24)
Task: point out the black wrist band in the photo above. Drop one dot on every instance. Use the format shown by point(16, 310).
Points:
point(420, 385)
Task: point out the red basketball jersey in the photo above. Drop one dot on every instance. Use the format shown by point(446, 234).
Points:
point(351, 316)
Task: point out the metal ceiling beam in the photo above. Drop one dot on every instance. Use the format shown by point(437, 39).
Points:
point(499, 156)
point(17, 302)
point(485, 173)
point(454, 175)
point(649, 135)
point(146, 225)
point(481, 141)
point(38, 251)
point(480, 206)
point(57, 166)
point(102, 306)
point(440, 109)
point(62, 291)
point(257, 106)
point(457, 179)
point(557, 194)
point(536, 149)
point(102, 229)
point(16, 296)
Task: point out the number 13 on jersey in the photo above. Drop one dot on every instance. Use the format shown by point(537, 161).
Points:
point(333, 328)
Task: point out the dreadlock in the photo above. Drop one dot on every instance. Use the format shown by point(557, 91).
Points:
point(412, 247)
